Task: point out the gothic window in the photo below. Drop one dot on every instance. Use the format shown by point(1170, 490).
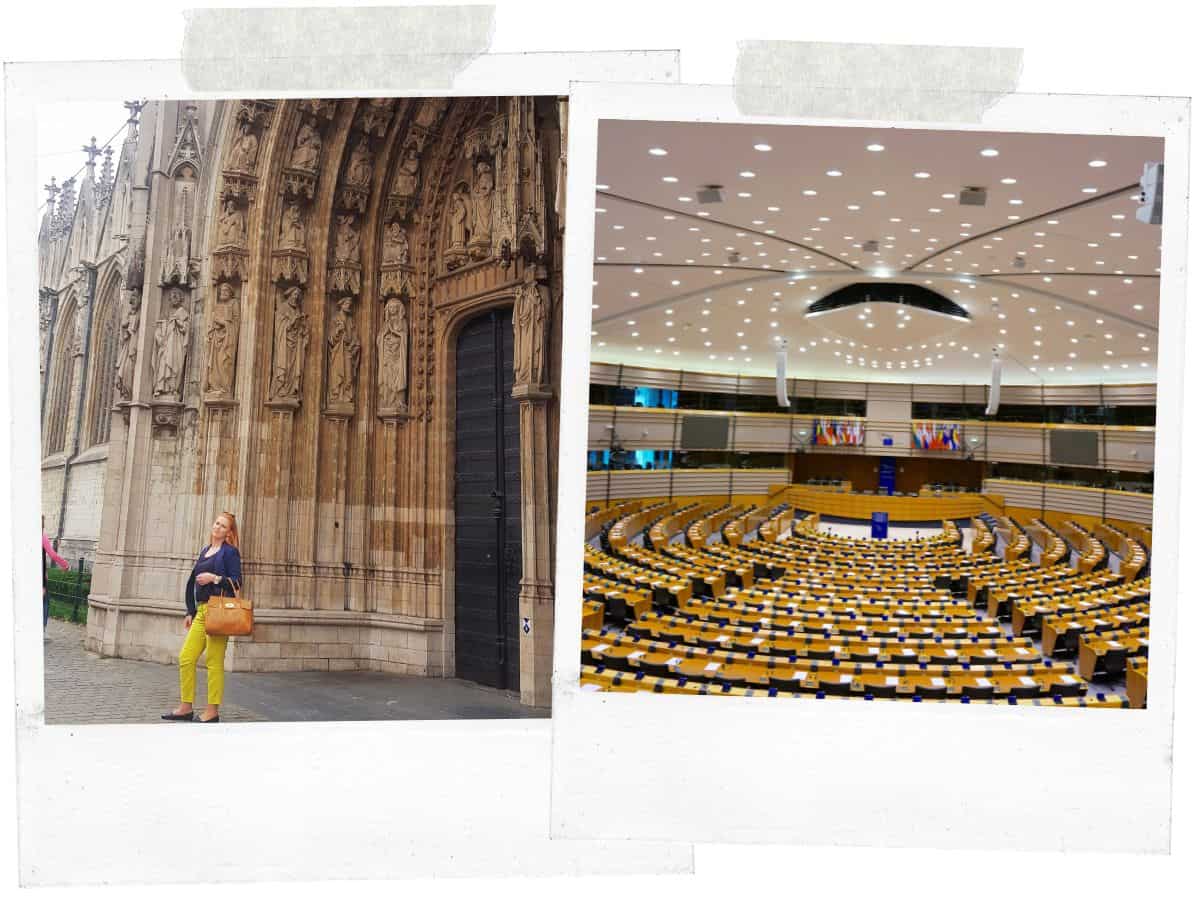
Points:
point(102, 368)
point(62, 371)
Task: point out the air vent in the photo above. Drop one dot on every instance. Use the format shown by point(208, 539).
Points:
point(1018, 262)
point(973, 196)
point(710, 193)
point(870, 246)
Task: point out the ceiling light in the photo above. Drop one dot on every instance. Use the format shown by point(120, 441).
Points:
point(746, 174)
point(810, 193)
point(989, 151)
point(1015, 202)
point(1008, 181)
point(670, 179)
point(744, 194)
point(834, 173)
point(657, 151)
point(762, 147)
point(1088, 190)
point(685, 199)
point(602, 187)
point(875, 148)
point(878, 193)
point(1097, 163)
point(921, 175)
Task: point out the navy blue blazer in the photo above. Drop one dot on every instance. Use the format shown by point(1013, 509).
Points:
point(226, 562)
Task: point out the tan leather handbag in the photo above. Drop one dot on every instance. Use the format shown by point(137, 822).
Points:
point(229, 616)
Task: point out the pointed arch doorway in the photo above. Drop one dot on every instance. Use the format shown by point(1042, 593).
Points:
point(487, 504)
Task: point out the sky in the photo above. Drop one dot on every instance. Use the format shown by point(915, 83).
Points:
point(62, 131)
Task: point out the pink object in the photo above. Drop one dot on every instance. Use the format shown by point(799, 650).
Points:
point(58, 560)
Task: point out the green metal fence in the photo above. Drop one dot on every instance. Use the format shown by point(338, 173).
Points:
point(69, 592)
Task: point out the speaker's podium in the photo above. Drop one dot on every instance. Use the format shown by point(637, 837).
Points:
point(879, 525)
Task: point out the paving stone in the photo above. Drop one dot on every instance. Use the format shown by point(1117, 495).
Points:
point(84, 688)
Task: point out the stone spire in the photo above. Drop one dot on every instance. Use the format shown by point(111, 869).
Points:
point(47, 229)
point(66, 208)
point(105, 185)
point(92, 152)
point(135, 109)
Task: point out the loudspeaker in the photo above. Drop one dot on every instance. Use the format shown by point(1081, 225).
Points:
point(993, 402)
point(781, 396)
point(1150, 211)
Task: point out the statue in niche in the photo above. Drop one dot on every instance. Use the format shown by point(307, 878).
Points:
point(395, 245)
point(529, 334)
point(481, 231)
point(245, 150)
point(393, 356)
point(176, 264)
point(127, 345)
point(222, 341)
point(307, 152)
point(345, 349)
point(231, 225)
point(405, 182)
point(290, 345)
point(430, 110)
point(360, 168)
point(170, 348)
point(77, 339)
point(291, 227)
point(44, 326)
point(459, 213)
point(346, 241)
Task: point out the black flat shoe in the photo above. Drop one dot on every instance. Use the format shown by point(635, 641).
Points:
point(213, 719)
point(181, 717)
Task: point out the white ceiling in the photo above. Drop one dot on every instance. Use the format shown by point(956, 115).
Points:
point(1083, 310)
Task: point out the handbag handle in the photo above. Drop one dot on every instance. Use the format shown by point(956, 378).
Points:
point(237, 590)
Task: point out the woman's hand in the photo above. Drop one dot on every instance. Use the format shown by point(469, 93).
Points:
point(187, 622)
point(206, 578)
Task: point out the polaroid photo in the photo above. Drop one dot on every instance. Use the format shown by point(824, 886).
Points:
point(880, 426)
point(290, 406)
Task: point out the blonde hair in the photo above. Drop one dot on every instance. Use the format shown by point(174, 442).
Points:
point(232, 537)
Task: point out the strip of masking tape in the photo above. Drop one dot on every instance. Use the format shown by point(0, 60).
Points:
point(405, 48)
point(877, 82)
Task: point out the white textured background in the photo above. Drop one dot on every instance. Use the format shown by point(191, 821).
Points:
point(1143, 50)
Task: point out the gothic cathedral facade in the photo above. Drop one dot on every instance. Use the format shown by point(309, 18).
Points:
point(339, 320)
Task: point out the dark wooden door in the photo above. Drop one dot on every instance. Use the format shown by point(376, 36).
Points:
point(487, 505)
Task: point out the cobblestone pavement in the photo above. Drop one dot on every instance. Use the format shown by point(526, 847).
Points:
point(83, 688)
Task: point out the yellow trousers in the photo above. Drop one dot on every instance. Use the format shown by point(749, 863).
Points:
point(213, 648)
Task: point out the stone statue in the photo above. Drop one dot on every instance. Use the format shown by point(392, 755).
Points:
point(393, 357)
point(345, 349)
point(430, 110)
point(290, 345)
point(361, 167)
point(459, 213)
point(405, 182)
point(176, 263)
point(347, 241)
point(77, 339)
point(231, 226)
point(395, 245)
point(43, 326)
point(170, 348)
point(127, 345)
point(307, 152)
point(529, 334)
point(291, 228)
point(245, 150)
point(222, 341)
point(481, 230)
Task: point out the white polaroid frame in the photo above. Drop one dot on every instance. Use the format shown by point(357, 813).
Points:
point(836, 772)
point(291, 801)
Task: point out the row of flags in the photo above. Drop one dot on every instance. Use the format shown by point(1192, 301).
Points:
point(936, 436)
point(837, 432)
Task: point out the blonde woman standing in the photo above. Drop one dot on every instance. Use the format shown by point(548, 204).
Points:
point(215, 574)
